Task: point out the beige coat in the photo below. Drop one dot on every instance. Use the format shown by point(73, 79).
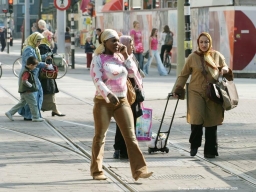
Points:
point(201, 110)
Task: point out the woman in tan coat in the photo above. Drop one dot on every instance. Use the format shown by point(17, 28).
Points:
point(202, 112)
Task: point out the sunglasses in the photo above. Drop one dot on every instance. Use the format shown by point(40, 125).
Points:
point(38, 41)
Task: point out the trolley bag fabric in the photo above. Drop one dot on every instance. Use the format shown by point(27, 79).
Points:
point(160, 141)
point(57, 60)
point(144, 125)
point(229, 94)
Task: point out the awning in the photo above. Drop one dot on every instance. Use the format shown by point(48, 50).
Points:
point(113, 5)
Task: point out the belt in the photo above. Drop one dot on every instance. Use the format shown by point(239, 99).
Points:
point(99, 97)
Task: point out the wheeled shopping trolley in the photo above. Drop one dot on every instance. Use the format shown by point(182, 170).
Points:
point(163, 147)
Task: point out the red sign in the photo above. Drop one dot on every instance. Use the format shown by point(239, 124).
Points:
point(62, 4)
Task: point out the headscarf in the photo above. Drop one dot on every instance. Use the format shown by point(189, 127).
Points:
point(207, 56)
point(125, 40)
point(105, 35)
point(32, 41)
point(47, 38)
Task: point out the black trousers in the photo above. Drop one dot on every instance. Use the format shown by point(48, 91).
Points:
point(211, 144)
point(3, 45)
point(168, 48)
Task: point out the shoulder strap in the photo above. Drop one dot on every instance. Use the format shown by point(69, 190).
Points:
point(204, 72)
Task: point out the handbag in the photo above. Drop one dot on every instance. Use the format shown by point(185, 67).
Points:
point(131, 96)
point(146, 54)
point(144, 125)
point(212, 89)
point(49, 74)
point(229, 94)
point(139, 95)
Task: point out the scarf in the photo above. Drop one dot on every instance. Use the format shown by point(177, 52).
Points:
point(212, 67)
point(48, 38)
point(105, 35)
point(32, 41)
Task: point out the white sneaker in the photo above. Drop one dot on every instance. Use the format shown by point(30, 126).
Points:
point(38, 120)
point(9, 115)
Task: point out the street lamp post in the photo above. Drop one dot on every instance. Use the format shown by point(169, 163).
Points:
point(8, 32)
point(5, 11)
point(188, 43)
point(73, 3)
point(72, 38)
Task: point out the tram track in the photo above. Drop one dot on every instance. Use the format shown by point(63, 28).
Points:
point(73, 147)
point(76, 148)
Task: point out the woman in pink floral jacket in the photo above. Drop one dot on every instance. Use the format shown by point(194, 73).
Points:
point(110, 68)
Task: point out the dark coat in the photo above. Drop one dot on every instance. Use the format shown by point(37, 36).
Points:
point(49, 85)
point(88, 48)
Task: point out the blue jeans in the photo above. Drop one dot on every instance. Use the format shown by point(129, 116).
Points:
point(139, 57)
point(161, 69)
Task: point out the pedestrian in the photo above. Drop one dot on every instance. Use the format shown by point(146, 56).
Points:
point(31, 49)
point(67, 44)
point(153, 51)
point(136, 35)
point(202, 112)
point(2, 39)
point(119, 145)
point(34, 27)
point(11, 38)
point(109, 71)
point(89, 48)
point(49, 85)
point(27, 87)
point(166, 41)
point(96, 37)
point(42, 26)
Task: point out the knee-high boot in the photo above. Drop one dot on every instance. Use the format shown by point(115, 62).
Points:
point(211, 144)
point(196, 136)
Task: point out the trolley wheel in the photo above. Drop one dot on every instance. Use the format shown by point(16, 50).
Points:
point(166, 149)
point(150, 150)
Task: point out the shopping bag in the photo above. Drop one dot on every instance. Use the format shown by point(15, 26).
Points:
point(144, 125)
point(229, 94)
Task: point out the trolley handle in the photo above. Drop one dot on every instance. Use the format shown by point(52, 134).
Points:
point(171, 94)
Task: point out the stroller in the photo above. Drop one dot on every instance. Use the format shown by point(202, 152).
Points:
point(159, 141)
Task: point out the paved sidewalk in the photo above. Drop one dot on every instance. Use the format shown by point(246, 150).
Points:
point(29, 163)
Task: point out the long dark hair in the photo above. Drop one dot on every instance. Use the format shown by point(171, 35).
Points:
point(167, 30)
point(153, 32)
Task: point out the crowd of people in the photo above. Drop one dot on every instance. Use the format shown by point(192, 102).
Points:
point(35, 54)
point(113, 59)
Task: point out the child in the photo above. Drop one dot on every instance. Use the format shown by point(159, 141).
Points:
point(89, 48)
point(27, 86)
